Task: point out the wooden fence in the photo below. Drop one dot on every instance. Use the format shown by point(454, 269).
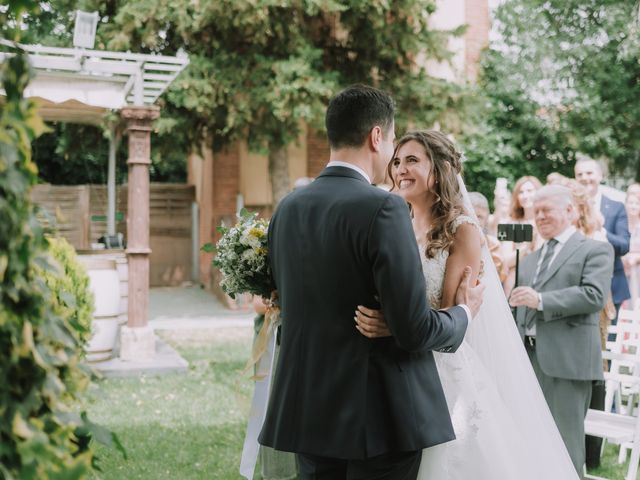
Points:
point(79, 213)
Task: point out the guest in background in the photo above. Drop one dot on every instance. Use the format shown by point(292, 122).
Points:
point(589, 173)
point(501, 205)
point(521, 212)
point(564, 287)
point(481, 207)
point(587, 220)
point(631, 260)
point(633, 188)
point(555, 178)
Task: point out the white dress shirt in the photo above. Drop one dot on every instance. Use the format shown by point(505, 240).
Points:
point(597, 201)
point(337, 163)
point(562, 239)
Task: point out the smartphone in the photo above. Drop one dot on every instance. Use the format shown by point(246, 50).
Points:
point(515, 232)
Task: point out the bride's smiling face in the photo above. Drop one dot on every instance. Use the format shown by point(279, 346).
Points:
point(412, 171)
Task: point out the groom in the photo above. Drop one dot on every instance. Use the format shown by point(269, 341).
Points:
point(349, 406)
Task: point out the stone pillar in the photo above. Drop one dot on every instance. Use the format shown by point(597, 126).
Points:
point(137, 341)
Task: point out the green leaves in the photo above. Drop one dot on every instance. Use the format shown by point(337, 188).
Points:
point(41, 322)
point(576, 76)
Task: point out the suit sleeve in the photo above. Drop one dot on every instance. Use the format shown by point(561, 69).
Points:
point(620, 237)
point(592, 292)
point(401, 286)
point(270, 242)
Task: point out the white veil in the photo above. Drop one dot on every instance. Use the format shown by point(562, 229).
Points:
point(495, 339)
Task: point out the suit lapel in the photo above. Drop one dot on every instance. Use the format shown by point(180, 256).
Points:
point(567, 251)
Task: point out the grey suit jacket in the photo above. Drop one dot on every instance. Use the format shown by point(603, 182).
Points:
point(574, 290)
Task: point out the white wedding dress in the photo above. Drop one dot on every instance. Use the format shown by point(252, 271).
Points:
point(504, 430)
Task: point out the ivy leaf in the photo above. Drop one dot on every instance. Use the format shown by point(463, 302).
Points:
point(102, 435)
point(208, 248)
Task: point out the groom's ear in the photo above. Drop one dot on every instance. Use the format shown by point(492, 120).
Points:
point(375, 138)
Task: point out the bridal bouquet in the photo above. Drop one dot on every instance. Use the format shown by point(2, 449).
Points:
point(242, 257)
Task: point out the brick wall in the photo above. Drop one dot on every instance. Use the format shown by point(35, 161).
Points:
point(226, 185)
point(477, 34)
point(317, 152)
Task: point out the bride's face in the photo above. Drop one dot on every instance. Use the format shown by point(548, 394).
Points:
point(412, 171)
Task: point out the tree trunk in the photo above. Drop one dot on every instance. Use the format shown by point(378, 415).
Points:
point(279, 173)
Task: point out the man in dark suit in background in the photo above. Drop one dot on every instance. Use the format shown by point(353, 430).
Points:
point(349, 406)
point(589, 173)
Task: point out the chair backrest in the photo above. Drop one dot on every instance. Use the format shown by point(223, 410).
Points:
point(627, 335)
point(624, 359)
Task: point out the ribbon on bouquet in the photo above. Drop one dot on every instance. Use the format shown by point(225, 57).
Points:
point(261, 344)
point(263, 356)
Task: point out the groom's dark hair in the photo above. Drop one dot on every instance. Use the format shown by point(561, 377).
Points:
point(354, 112)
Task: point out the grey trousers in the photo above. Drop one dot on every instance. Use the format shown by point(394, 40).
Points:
point(568, 401)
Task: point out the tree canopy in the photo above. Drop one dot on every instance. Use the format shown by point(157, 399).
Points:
point(261, 69)
point(563, 77)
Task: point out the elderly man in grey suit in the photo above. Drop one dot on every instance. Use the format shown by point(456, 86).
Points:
point(564, 285)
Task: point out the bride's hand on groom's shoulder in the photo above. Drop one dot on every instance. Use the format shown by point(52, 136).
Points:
point(470, 295)
point(370, 323)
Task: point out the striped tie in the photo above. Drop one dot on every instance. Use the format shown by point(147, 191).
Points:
point(544, 266)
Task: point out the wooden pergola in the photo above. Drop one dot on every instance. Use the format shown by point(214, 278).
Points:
point(82, 86)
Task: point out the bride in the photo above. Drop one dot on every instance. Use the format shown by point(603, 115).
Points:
point(504, 429)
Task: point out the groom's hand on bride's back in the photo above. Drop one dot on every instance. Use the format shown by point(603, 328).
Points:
point(470, 295)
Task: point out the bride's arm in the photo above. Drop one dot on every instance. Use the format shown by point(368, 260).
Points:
point(465, 250)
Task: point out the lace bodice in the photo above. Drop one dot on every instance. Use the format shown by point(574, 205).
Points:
point(434, 268)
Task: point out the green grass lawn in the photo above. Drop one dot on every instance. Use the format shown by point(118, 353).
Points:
point(191, 426)
point(180, 426)
point(609, 467)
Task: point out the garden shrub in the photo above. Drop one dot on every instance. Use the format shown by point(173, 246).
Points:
point(69, 285)
point(41, 374)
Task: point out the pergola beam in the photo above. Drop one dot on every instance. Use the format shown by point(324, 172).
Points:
point(81, 86)
point(150, 74)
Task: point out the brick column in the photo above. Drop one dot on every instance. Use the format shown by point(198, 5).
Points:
point(137, 341)
point(317, 152)
point(476, 36)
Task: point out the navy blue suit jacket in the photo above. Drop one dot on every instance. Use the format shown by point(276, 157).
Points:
point(617, 227)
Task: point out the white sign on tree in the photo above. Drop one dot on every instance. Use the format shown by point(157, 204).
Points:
point(84, 32)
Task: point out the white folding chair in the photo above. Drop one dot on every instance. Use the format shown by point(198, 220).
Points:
point(619, 428)
point(627, 331)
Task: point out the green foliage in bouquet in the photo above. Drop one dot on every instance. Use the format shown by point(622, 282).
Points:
point(41, 376)
point(242, 257)
point(69, 285)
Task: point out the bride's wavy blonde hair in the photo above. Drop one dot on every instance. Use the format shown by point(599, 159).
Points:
point(446, 164)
